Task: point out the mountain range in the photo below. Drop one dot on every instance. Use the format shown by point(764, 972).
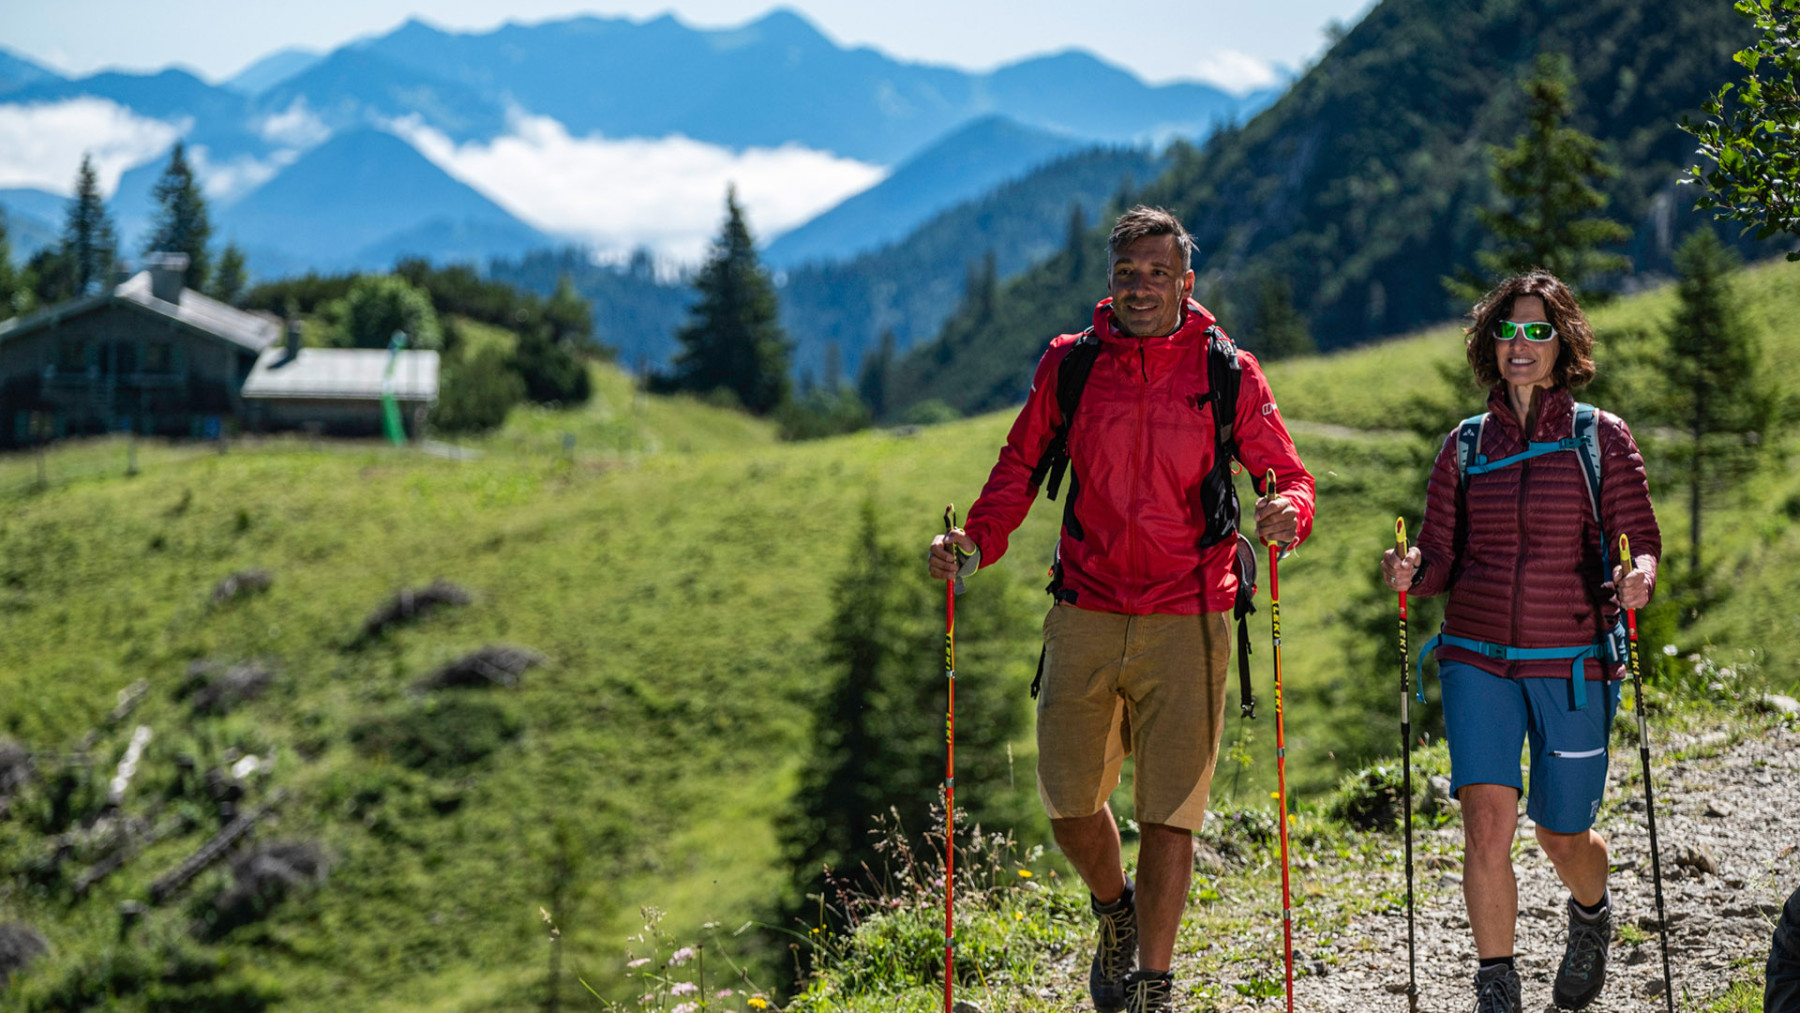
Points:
point(773, 83)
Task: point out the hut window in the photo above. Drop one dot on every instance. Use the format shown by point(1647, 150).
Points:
point(159, 357)
point(71, 357)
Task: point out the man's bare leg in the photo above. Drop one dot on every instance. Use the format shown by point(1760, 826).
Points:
point(1091, 844)
point(1165, 867)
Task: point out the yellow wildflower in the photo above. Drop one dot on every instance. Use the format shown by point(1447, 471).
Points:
point(1024, 873)
point(758, 1002)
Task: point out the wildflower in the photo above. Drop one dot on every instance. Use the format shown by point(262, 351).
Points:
point(758, 1002)
point(686, 1007)
point(815, 930)
point(683, 988)
point(681, 956)
point(646, 999)
point(1671, 650)
point(1024, 873)
point(723, 993)
point(639, 962)
point(1019, 915)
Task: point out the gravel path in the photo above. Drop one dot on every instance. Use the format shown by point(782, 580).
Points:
point(1737, 811)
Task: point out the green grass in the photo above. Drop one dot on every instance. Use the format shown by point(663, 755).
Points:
point(673, 564)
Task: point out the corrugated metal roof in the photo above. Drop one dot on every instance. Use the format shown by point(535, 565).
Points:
point(209, 316)
point(203, 313)
point(354, 373)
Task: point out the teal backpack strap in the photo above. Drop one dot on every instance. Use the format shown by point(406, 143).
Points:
point(1468, 444)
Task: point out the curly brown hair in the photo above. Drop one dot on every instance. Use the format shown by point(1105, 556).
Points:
point(1574, 359)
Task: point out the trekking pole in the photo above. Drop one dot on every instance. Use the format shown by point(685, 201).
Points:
point(1412, 960)
point(951, 587)
point(1287, 911)
point(1637, 689)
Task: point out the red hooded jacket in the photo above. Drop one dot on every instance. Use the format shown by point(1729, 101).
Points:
point(1519, 550)
point(1140, 444)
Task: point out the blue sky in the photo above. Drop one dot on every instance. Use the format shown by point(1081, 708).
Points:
point(1225, 41)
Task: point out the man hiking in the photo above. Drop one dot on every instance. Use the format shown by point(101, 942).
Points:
point(1136, 643)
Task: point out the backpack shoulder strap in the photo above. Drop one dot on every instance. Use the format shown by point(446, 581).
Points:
point(1071, 378)
point(1468, 444)
point(1585, 433)
point(1224, 377)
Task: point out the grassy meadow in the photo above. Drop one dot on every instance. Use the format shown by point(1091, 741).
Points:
point(672, 561)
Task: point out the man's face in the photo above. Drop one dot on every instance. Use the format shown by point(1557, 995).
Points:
point(1149, 285)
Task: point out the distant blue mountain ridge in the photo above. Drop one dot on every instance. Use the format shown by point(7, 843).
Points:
point(271, 70)
point(971, 161)
point(775, 81)
point(362, 199)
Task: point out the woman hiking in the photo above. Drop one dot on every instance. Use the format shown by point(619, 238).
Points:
point(1523, 514)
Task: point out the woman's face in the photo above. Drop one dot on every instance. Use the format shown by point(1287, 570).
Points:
point(1527, 363)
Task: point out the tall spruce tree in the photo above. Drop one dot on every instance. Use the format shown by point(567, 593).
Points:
point(1548, 216)
point(231, 277)
point(1720, 397)
point(90, 243)
point(879, 729)
point(733, 340)
point(182, 224)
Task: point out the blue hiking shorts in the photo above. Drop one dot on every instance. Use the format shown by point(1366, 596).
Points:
point(1487, 718)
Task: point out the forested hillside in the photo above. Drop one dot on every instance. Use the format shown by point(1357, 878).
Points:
point(1359, 187)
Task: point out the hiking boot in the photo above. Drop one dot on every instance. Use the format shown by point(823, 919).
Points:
point(1583, 968)
point(1149, 992)
point(1497, 990)
point(1116, 956)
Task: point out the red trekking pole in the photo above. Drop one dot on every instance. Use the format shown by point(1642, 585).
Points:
point(1287, 911)
point(951, 587)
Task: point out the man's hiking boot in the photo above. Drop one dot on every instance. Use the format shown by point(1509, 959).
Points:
point(1149, 992)
point(1116, 955)
point(1497, 990)
point(1583, 968)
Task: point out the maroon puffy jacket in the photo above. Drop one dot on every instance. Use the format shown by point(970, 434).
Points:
point(1519, 550)
point(1141, 443)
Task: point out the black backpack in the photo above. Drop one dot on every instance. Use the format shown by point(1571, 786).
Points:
point(1218, 496)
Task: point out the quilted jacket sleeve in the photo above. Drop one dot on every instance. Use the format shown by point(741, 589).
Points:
point(1625, 506)
point(1442, 533)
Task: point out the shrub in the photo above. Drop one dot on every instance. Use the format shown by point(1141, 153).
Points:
point(438, 737)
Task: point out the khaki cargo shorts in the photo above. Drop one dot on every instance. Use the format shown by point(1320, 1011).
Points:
point(1152, 687)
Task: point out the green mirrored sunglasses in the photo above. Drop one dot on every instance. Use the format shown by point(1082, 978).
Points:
point(1509, 330)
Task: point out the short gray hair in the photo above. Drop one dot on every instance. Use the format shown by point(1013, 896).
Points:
point(1142, 222)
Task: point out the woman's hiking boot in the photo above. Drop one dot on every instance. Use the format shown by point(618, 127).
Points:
point(1497, 990)
point(1150, 992)
point(1583, 968)
point(1116, 955)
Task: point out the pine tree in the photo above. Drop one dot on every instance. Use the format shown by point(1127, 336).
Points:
point(1546, 181)
point(734, 341)
point(90, 243)
point(879, 730)
point(872, 378)
point(182, 224)
point(1719, 395)
point(231, 278)
point(1281, 331)
point(10, 280)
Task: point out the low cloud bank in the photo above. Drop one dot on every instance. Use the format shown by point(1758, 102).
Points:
point(41, 145)
point(667, 194)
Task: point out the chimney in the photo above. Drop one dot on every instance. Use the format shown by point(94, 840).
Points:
point(293, 340)
point(167, 273)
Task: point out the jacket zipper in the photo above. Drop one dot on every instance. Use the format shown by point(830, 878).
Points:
point(1524, 541)
point(1137, 479)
